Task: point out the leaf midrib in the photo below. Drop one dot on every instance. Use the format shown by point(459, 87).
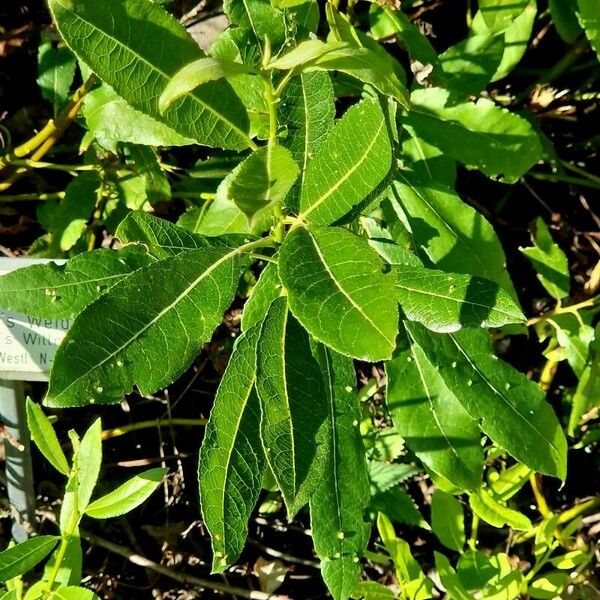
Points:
point(345, 177)
point(456, 300)
point(496, 392)
point(197, 100)
point(157, 318)
point(342, 290)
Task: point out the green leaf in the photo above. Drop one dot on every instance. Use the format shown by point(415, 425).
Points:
point(24, 556)
point(446, 302)
point(118, 41)
point(146, 163)
point(549, 261)
point(232, 462)
point(69, 571)
point(195, 74)
point(111, 119)
point(266, 290)
point(89, 460)
point(448, 520)
point(475, 569)
point(165, 239)
point(43, 435)
point(117, 341)
point(471, 64)
point(432, 420)
point(449, 232)
point(384, 476)
point(511, 409)
point(307, 110)
point(479, 134)
point(500, 14)
point(337, 290)
point(361, 63)
point(66, 220)
point(259, 17)
point(570, 560)
point(548, 586)
point(516, 38)
point(495, 513)
point(371, 590)
point(353, 160)
point(56, 69)
point(52, 291)
point(410, 576)
point(127, 496)
point(450, 579)
point(262, 180)
point(425, 64)
point(589, 20)
point(338, 504)
point(294, 415)
point(506, 484)
point(73, 592)
point(398, 506)
point(564, 18)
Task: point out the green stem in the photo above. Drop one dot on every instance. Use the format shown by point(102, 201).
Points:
point(30, 197)
point(35, 164)
point(119, 431)
point(561, 310)
point(579, 171)
point(474, 532)
point(564, 179)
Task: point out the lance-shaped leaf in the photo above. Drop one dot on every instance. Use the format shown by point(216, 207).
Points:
point(362, 63)
point(307, 110)
point(447, 520)
point(111, 119)
point(259, 17)
point(267, 289)
point(495, 513)
point(146, 330)
point(511, 408)
point(478, 134)
point(499, 15)
point(56, 68)
point(338, 505)
point(549, 261)
point(197, 73)
point(431, 419)
point(446, 302)
point(127, 496)
point(232, 462)
point(262, 180)
point(463, 240)
point(52, 291)
point(44, 437)
point(351, 163)
point(136, 47)
point(166, 239)
point(337, 290)
point(294, 415)
point(590, 21)
point(24, 556)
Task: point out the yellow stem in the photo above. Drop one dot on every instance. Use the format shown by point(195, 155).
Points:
point(119, 431)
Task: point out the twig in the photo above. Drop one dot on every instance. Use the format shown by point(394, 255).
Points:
point(118, 431)
point(184, 578)
point(283, 556)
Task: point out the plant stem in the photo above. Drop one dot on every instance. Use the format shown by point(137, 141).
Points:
point(32, 164)
point(561, 310)
point(579, 171)
point(535, 480)
point(564, 179)
point(564, 517)
point(49, 135)
point(474, 532)
point(30, 197)
point(119, 431)
point(184, 578)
